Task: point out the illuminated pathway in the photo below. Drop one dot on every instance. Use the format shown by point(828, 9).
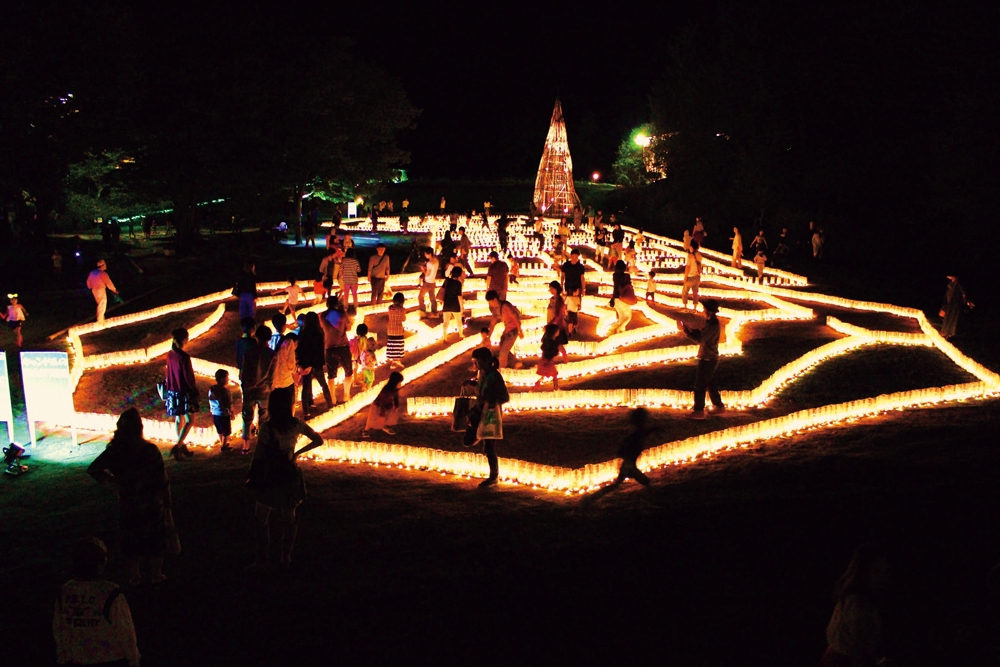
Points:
point(780, 298)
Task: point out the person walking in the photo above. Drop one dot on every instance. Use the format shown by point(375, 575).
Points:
point(349, 270)
point(336, 351)
point(497, 276)
point(737, 248)
point(692, 274)
point(451, 303)
point(16, 315)
point(954, 302)
point(135, 467)
point(395, 333)
point(378, 273)
point(310, 353)
point(249, 365)
point(506, 312)
point(632, 447)
point(99, 282)
point(622, 297)
point(246, 289)
point(181, 395)
point(555, 313)
point(485, 418)
point(464, 249)
point(277, 481)
point(574, 285)
point(708, 359)
point(428, 282)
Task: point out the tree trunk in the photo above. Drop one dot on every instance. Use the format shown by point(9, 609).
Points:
point(300, 192)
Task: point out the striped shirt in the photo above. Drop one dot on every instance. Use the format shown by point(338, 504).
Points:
point(350, 270)
point(397, 315)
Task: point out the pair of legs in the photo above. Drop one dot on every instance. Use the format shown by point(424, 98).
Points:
point(489, 446)
point(351, 289)
point(307, 389)
point(507, 341)
point(427, 289)
point(18, 336)
point(336, 358)
point(703, 380)
point(378, 290)
point(691, 284)
point(252, 398)
point(629, 469)
point(624, 312)
point(449, 319)
point(182, 424)
point(283, 537)
point(248, 305)
point(737, 260)
point(101, 297)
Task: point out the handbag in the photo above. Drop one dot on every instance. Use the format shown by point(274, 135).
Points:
point(460, 414)
point(627, 294)
point(491, 424)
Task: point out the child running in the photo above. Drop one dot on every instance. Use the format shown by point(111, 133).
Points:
point(550, 350)
point(15, 316)
point(220, 403)
point(384, 412)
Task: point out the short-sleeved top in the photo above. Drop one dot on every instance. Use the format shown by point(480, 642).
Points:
point(378, 267)
point(294, 291)
point(92, 624)
point(452, 293)
point(509, 317)
point(429, 272)
point(219, 400)
point(397, 315)
point(572, 275)
point(497, 275)
point(692, 266)
point(15, 313)
point(99, 280)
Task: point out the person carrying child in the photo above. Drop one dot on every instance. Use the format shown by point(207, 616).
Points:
point(220, 403)
point(384, 412)
point(15, 316)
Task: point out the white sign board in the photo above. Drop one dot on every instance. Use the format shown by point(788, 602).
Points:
point(352, 210)
point(48, 392)
point(6, 410)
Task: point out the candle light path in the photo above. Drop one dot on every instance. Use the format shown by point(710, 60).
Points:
point(781, 303)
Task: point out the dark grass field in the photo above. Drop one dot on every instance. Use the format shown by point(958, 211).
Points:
point(727, 561)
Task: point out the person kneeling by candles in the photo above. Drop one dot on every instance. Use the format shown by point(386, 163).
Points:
point(708, 359)
point(485, 420)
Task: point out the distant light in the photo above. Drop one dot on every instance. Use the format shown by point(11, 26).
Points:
point(359, 201)
point(641, 140)
point(596, 176)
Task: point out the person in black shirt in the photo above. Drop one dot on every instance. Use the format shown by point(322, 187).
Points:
point(574, 287)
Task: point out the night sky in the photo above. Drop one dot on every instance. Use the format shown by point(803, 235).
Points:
point(486, 80)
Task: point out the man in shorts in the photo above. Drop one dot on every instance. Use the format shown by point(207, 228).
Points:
point(574, 287)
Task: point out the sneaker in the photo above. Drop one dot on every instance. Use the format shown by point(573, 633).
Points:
point(489, 481)
point(698, 415)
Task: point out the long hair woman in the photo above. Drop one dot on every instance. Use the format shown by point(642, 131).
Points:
point(135, 467)
point(277, 480)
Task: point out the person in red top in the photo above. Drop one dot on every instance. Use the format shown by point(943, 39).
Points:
point(181, 395)
point(496, 276)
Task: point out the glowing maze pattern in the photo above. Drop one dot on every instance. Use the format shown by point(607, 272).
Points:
point(531, 296)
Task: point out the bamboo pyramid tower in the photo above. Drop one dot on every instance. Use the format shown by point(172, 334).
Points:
point(554, 191)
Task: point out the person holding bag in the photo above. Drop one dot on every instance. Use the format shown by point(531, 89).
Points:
point(276, 481)
point(486, 418)
point(622, 297)
point(180, 392)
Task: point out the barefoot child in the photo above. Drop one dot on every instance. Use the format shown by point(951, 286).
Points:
point(220, 403)
point(384, 412)
point(550, 350)
point(16, 314)
point(651, 287)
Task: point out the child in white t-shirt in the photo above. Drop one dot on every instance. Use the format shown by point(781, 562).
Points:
point(651, 287)
point(760, 259)
point(294, 292)
point(15, 316)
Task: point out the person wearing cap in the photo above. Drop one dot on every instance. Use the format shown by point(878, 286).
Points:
point(99, 282)
point(92, 622)
point(496, 276)
point(378, 272)
point(708, 358)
